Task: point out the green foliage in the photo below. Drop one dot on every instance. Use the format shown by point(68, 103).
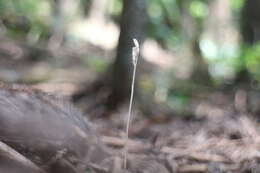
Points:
point(115, 7)
point(178, 100)
point(251, 58)
point(247, 58)
point(198, 9)
point(95, 63)
point(31, 21)
point(85, 4)
point(32, 9)
point(165, 20)
point(163, 16)
point(25, 17)
point(237, 4)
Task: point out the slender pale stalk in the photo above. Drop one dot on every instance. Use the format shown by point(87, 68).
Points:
point(135, 55)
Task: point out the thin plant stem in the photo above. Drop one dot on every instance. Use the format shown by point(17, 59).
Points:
point(135, 55)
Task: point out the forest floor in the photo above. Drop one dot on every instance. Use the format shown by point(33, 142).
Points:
point(220, 136)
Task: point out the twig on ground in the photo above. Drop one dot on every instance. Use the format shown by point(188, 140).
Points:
point(8, 152)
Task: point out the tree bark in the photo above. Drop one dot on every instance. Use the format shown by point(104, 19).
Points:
point(250, 22)
point(250, 32)
point(191, 32)
point(132, 26)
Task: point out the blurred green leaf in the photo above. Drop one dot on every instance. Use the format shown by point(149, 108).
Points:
point(178, 101)
point(198, 9)
point(237, 4)
point(98, 64)
point(252, 61)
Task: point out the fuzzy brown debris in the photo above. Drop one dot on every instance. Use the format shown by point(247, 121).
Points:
point(47, 130)
point(49, 135)
point(13, 162)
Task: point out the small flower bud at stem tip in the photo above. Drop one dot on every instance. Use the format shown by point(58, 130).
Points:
point(135, 51)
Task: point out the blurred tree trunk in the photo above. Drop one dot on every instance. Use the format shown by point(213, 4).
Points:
point(219, 31)
point(250, 22)
point(132, 26)
point(86, 4)
point(191, 31)
point(57, 25)
point(62, 13)
point(98, 9)
point(250, 32)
